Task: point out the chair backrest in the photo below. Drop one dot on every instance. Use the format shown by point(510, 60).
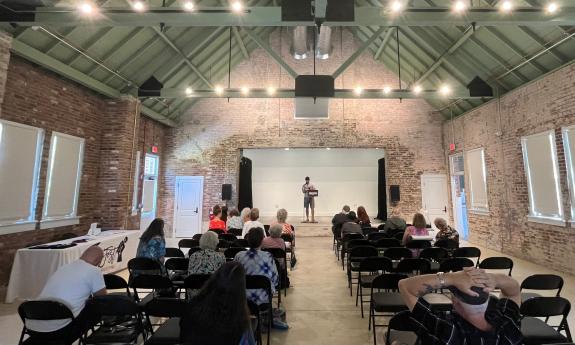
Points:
point(397, 253)
point(116, 305)
point(543, 282)
point(165, 307)
point(144, 264)
point(193, 250)
point(231, 252)
point(259, 282)
point(376, 236)
point(447, 244)
point(115, 282)
point(362, 252)
point(196, 281)
point(376, 264)
point(218, 231)
point(366, 230)
point(357, 243)
point(455, 264)
point(388, 281)
point(277, 253)
point(352, 236)
point(240, 242)
point(434, 253)
point(467, 252)
point(188, 243)
point(413, 265)
point(197, 237)
point(387, 243)
point(174, 253)
point(545, 306)
point(287, 237)
point(150, 281)
point(399, 236)
point(223, 244)
point(497, 263)
point(418, 244)
point(177, 264)
point(228, 237)
point(237, 232)
point(44, 310)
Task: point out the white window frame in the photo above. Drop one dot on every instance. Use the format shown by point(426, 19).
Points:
point(570, 166)
point(29, 223)
point(534, 216)
point(482, 209)
point(72, 218)
point(135, 194)
point(155, 176)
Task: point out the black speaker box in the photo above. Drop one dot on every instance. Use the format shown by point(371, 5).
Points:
point(340, 11)
point(479, 88)
point(226, 192)
point(150, 88)
point(394, 194)
point(297, 11)
point(314, 86)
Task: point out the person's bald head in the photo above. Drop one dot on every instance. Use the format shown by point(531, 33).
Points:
point(93, 255)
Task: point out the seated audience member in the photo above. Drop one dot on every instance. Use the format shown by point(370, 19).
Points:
point(363, 218)
point(219, 313)
point(351, 226)
point(394, 223)
point(274, 240)
point(281, 217)
point(235, 222)
point(207, 260)
point(217, 222)
point(245, 215)
point(74, 284)
point(445, 231)
point(253, 222)
point(152, 243)
point(257, 262)
point(477, 317)
point(338, 220)
point(419, 228)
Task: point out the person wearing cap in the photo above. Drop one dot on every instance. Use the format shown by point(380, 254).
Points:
point(477, 317)
point(308, 201)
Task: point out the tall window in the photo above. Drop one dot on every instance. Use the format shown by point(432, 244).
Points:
point(569, 147)
point(475, 161)
point(63, 181)
point(20, 156)
point(150, 185)
point(542, 170)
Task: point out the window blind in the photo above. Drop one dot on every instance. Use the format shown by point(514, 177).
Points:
point(475, 161)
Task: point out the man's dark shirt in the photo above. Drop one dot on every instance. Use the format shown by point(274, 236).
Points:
point(436, 328)
point(337, 222)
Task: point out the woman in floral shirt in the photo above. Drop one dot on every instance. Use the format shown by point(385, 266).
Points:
point(207, 260)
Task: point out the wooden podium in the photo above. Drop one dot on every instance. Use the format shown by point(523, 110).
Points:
point(313, 193)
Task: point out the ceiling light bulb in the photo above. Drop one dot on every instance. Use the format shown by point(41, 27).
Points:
point(386, 90)
point(189, 91)
point(506, 6)
point(271, 90)
point(219, 90)
point(358, 90)
point(551, 8)
point(287, 149)
point(417, 89)
point(245, 90)
point(86, 8)
point(138, 6)
point(445, 90)
point(237, 6)
point(396, 6)
point(459, 6)
point(188, 6)
point(328, 148)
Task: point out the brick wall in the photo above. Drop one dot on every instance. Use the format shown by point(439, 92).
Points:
point(39, 98)
point(548, 103)
point(209, 140)
point(5, 44)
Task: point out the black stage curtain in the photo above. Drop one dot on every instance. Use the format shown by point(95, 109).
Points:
point(381, 191)
point(245, 185)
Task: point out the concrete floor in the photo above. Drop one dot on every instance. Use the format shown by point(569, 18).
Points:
point(319, 308)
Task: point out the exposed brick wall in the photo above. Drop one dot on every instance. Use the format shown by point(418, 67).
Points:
point(209, 140)
point(548, 103)
point(39, 98)
point(5, 44)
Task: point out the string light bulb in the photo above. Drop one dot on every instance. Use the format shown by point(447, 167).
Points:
point(396, 6)
point(138, 6)
point(189, 91)
point(506, 6)
point(358, 90)
point(459, 6)
point(271, 90)
point(551, 8)
point(86, 8)
point(189, 6)
point(386, 90)
point(417, 89)
point(219, 90)
point(445, 90)
point(237, 6)
point(245, 90)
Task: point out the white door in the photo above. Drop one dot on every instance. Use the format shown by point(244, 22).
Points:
point(434, 197)
point(149, 190)
point(188, 206)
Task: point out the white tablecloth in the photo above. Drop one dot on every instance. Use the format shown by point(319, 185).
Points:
point(33, 267)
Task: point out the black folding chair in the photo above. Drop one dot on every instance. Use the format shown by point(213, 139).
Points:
point(223, 244)
point(169, 331)
point(281, 256)
point(418, 244)
point(448, 244)
point(349, 245)
point(177, 269)
point(399, 236)
point(341, 243)
point(401, 329)
point(237, 232)
point(197, 237)
point(376, 236)
point(397, 253)
point(536, 331)
point(355, 256)
point(241, 242)
point(231, 252)
point(138, 266)
point(262, 282)
point(115, 282)
point(387, 302)
point(152, 283)
point(188, 243)
point(455, 264)
point(413, 266)
point(196, 281)
point(128, 331)
point(368, 269)
point(218, 231)
point(468, 252)
point(46, 311)
point(435, 255)
point(497, 263)
point(193, 250)
point(385, 243)
point(228, 237)
point(541, 282)
point(174, 253)
point(290, 246)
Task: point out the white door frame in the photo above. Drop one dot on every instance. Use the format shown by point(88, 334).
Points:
point(176, 198)
point(444, 177)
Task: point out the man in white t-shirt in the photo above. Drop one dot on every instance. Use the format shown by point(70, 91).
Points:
point(73, 284)
point(253, 222)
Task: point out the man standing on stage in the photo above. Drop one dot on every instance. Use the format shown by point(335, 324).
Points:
point(308, 201)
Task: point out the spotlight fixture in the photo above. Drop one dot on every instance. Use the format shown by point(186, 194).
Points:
point(271, 90)
point(386, 90)
point(245, 90)
point(417, 89)
point(506, 6)
point(219, 90)
point(237, 6)
point(551, 8)
point(358, 90)
point(459, 6)
point(86, 8)
point(189, 6)
point(445, 90)
point(189, 91)
point(328, 148)
point(286, 149)
point(396, 6)
point(138, 6)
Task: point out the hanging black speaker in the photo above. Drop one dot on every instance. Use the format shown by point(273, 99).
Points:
point(227, 191)
point(394, 194)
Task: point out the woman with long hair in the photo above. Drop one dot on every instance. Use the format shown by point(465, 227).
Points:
point(219, 313)
point(152, 242)
point(419, 228)
point(363, 218)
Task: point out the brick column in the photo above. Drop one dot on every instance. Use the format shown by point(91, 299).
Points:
point(5, 44)
point(117, 164)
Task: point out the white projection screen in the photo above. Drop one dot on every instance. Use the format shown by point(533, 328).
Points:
point(342, 176)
